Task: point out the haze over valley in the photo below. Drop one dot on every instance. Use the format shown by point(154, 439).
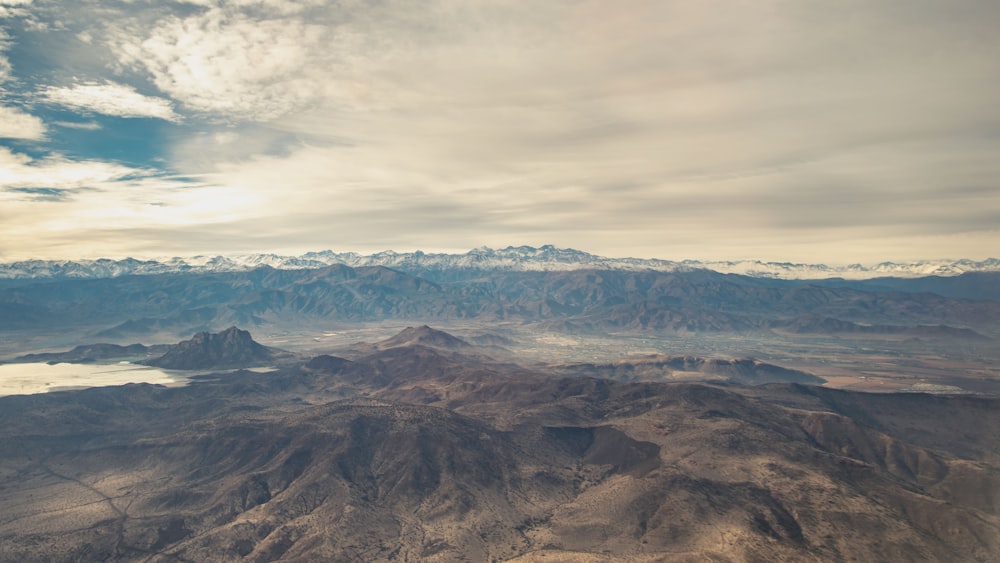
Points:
point(888, 332)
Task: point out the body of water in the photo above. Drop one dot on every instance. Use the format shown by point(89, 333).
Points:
point(27, 379)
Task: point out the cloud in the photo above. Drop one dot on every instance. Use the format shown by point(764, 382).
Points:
point(83, 125)
point(18, 171)
point(109, 98)
point(279, 7)
point(264, 60)
point(49, 194)
point(226, 63)
point(611, 127)
point(712, 129)
point(13, 8)
point(5, 68)
point(15, 124)
point(854, 205)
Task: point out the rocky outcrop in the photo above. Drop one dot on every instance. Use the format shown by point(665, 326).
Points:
point(231, 348)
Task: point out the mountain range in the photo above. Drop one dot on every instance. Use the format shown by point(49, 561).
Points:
point(509, 259)
point(126, 308)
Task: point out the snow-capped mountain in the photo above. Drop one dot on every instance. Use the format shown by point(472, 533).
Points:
point(789, 270)
point(512, 258)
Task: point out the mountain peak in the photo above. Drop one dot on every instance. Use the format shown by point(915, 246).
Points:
point(424, 336)
point(231, 348)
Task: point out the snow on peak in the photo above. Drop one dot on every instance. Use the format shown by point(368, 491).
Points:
point(511, 258)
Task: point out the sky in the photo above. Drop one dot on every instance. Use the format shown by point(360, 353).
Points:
point(840, 131)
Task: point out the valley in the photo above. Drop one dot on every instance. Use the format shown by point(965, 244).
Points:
point(867, 364)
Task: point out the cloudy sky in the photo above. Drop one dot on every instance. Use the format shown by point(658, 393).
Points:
point(820, 131)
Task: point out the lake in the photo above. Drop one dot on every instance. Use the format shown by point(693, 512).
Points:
point(28, 379)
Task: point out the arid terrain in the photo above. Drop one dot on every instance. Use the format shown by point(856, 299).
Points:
point(426, 447)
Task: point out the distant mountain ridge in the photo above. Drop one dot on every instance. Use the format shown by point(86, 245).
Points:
point(509, 259)
point(127, 308)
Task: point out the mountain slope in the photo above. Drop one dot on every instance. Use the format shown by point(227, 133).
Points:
point(435, 456)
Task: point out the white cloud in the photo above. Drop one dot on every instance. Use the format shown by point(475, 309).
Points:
point(84, 125)
point(227, 63)
point(5, 67)
point(15, 124)
point(14, 8)
point(261, 60)
point(109, 98)
point(55, 172)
